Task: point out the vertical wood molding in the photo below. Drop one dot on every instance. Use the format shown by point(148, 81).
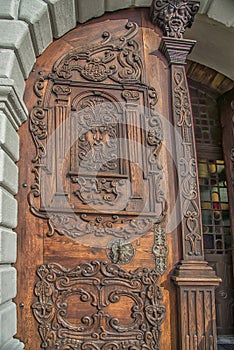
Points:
point(226, 103)
point(194, 279)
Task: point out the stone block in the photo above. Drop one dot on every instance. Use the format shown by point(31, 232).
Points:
point(63, 16)
point(7, 283)
point(7, 321)
point(9, 139)
point(142, 3)
point(8, 209)
point(8, 173)
point(113, 5)
point(8, 240)
point(204, 5)
point(222, 11)
point(9, 68)
point(10, 104)
point(15, 35)
point(9, 9)
point(36, 14)
point(13, 344)
point(87, 9)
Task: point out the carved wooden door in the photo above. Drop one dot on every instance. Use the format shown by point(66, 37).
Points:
point(94, 193)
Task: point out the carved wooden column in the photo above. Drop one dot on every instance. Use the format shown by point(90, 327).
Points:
point(194, 279)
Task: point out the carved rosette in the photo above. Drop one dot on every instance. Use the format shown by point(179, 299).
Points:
point(100, 286)
point(174, 16)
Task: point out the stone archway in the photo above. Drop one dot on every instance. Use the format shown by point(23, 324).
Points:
point(27, 28)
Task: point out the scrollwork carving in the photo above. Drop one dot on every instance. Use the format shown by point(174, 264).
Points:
point(130, 95)
point(98, 190)
point(114, 58)
point(89, 166)
point(90, 283)
point(38, 89)
point(187, 163)
point(38, 129)
point(75, 226)
point(174, 16)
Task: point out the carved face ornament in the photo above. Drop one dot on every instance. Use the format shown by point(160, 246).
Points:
point(175, 19)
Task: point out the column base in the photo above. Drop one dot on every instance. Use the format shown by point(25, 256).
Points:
point(196, 282)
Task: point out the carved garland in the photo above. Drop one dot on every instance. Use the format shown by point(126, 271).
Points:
point(91, 283)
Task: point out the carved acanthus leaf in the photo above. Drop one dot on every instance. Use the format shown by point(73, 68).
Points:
point(174, 16)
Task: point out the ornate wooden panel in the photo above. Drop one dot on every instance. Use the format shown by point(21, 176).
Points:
point(98, 142)
point(104, 288)
point(93, 187)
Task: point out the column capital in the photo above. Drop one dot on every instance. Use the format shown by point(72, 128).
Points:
point(195, 273)
point(173, 16)
point(176, 50)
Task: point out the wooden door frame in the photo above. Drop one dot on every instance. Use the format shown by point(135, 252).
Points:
point(13, 102)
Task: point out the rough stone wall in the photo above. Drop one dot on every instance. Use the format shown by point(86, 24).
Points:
point(27, 27)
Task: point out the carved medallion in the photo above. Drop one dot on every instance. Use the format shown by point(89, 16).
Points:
point(120, 251)
point(103, 289)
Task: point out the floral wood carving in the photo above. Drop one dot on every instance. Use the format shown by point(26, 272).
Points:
point(97, 145)
point(174, 16)
point(98, 190)
point(75, 226)
point(114, 58)
point(99, 286)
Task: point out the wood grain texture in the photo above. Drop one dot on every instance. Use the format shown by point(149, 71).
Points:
point(209, 77)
